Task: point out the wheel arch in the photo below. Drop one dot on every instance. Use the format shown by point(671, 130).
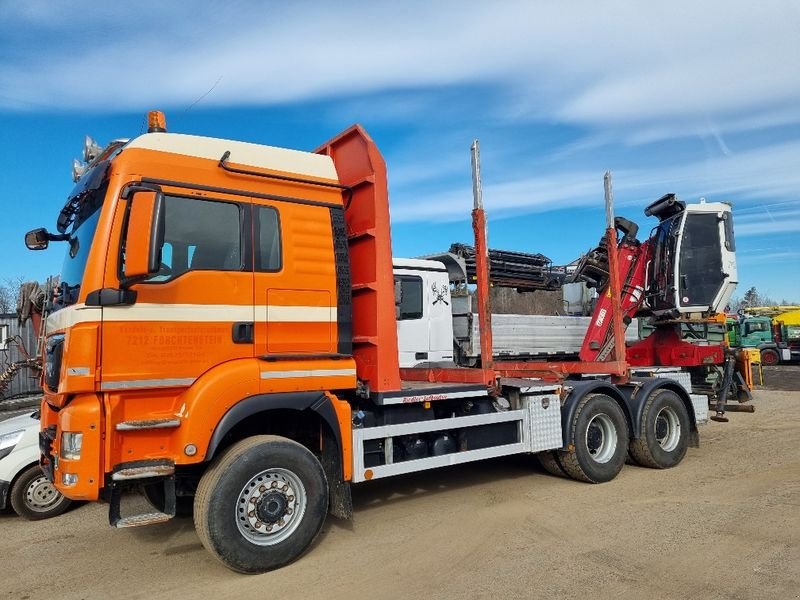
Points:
point(639, 389)
point(767, 346)
point(286, 414)
point(304, 407)
point(578, 390)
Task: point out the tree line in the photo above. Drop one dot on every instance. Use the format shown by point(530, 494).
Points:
point(752, 297)
point(9, 293)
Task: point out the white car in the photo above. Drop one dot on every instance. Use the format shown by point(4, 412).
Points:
point(22, 483)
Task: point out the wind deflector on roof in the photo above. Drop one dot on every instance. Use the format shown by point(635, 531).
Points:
point(226, 166)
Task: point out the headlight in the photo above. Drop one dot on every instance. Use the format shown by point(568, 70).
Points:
point(8, 441)
point(71, 445)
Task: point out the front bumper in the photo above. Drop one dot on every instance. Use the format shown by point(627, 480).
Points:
point(4, 486)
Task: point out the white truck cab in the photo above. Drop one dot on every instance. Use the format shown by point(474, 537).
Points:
point(424, 312)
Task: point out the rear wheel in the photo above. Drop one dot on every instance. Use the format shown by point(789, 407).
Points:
point(550, 464)
point(664, 436)
point(769, 357)
point(33, 497)
point(600, 440)
point(261, 504)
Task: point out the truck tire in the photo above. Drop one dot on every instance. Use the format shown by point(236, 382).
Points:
point(550, 464)
point(664, 436)
point(34, 498)
point(600, 440)
point(770, 357)
point(261, 504)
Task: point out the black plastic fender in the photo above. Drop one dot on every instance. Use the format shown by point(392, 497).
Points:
point(768, 346)
point(639, 389)
point(299, 401)
point(577, 390)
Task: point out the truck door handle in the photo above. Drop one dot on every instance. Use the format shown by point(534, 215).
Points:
point(243, 332)
point(420, 355)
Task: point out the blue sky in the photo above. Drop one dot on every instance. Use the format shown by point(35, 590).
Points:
point(697, 98)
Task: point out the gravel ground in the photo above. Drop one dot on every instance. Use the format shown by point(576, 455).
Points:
point(784, 377)
point(723, 524)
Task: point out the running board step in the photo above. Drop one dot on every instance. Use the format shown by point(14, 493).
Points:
point(142, 519)
point(166, 512)
point(148, 424)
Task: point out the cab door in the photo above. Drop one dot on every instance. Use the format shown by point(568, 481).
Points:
point(441, 318)
point(186, 318)
point(413, 319)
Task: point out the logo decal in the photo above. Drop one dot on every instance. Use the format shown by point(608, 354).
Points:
point(441, 294)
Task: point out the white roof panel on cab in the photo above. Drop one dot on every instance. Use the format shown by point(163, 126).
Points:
point(242, 153)
point(418, 263)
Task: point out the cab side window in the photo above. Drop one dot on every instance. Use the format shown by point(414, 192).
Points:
point(200, 235)
point(268, 239)
point(410, 305)
point(756, 326)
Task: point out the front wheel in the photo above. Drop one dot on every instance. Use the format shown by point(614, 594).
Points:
point(33, 497)
point(770, 357)
point(600, 440)
point(261, 504)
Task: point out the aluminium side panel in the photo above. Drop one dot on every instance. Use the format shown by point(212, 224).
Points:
point(700, 404)
point(545, 422)
point(515, 335)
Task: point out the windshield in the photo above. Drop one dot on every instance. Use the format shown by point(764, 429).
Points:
point(78, 250)
point(82, 212)
point(662, 239)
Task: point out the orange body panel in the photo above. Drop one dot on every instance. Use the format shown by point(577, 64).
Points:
point(201, 407)
point(83, 414)
point(81, 357)
point(361, 167)
point(345, 417)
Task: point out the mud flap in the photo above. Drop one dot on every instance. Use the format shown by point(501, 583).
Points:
point(340, 500)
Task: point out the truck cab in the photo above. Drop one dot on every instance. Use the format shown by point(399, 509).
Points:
point(424, 312)
point(760, 333)
point(755, 331)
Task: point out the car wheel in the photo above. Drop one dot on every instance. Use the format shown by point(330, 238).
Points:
point(33, 497)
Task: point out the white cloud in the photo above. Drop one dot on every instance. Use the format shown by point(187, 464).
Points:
point(768, 172)
point(787, 256)
point(770, 222)
point(660, 68)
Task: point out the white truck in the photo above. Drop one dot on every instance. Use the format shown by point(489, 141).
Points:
point(437, 320)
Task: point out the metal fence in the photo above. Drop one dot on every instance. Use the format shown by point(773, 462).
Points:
point(25, 381)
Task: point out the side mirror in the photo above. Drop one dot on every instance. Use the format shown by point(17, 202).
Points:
point(37, 239)
point(144, 235)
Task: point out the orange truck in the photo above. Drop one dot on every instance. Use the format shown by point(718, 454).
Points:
point(225, 340)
